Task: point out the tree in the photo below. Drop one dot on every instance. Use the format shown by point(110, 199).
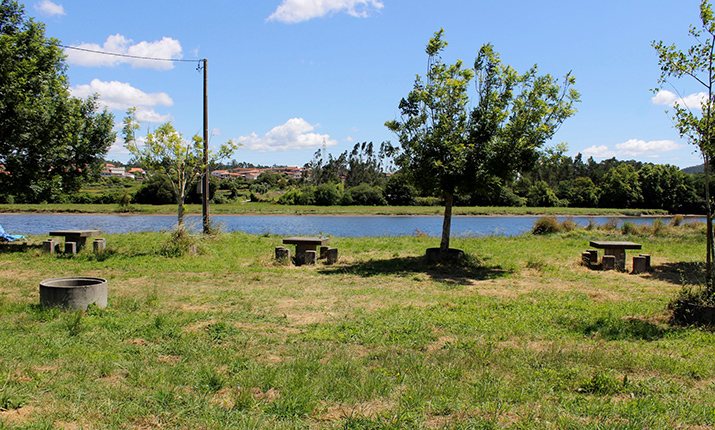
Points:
point(50, 142)
point(447, 148)
point(620, 188)
point(698, 64)
point(167, 152)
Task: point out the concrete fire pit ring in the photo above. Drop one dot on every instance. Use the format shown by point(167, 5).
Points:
point(76, 292)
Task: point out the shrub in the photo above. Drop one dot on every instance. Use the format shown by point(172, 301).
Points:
point(180, 242)
point(428, 201)
point(676, 220)
point(398, 191)
point(327, 195)
point(630, 228)
point(546, 225)
point(568, 225)
point(366, 195)
point(693, 307)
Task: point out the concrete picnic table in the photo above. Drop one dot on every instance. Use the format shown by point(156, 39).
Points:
point(617, 249)
point(303, 244)
point(79, 237)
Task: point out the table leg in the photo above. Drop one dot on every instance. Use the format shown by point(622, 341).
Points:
point(620, 255)
point(79, 242)
point(300, 249)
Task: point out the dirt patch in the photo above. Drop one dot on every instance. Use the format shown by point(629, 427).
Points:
point(365, 409)
point(17, 416)
point(440, 343)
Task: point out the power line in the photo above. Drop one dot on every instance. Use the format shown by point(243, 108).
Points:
point(114, 54)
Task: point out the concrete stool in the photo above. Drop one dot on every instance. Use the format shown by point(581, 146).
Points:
point(639, 264)
point(323, 252)
point(331, 256)
point(282, 254)
point(310, 257)
point(594, 255)
point(50, 245)
point(647, 261)
point(99, 244)
point(70, 248)
point(608, 262)
point(586, 258)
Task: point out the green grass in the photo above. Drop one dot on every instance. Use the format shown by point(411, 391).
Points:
point(250, 208)
point(521, 337)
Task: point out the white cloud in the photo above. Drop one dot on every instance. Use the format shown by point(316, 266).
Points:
point(295, 134)
point(166, 48)
point(635, 147)
point(668, 98)
point(120, 95)
point(150, 115)
point(293, 11)
point(46, 7)
point(600, 151)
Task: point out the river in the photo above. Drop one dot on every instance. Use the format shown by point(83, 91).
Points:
point(296, 225)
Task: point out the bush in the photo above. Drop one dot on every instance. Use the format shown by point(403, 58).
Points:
point(428, 201)
point(398, 192)
point(629, 228)
point(327, 195)
point(366, 195)
point(546, 225)
point(156, 190)
point(693, 307)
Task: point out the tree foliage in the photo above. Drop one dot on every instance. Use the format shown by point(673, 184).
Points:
point(50, 142)
point(447, 148)
point(695, 123)
point(167, 152)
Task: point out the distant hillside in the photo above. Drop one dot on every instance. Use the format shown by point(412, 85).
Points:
point(694, 169)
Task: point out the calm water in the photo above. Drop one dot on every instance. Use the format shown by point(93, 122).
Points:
point(339, 226)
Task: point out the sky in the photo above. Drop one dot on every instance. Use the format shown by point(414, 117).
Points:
point(288, 77)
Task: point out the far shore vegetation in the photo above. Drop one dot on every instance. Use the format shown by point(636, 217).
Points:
point(258, 208)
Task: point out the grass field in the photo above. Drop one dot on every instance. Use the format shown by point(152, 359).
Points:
point(251, 208)
point(522, 336)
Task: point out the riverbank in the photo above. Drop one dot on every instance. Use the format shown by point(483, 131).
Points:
point(523, 336)
point(251, 208)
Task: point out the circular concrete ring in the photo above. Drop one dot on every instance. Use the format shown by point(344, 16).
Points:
point(74, 292)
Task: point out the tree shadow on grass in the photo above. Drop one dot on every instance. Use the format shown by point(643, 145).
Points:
point(680, 273)
point(613, 328)
point(11, 247)
point(460, 273)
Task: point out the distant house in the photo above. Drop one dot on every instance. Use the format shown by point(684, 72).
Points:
point(120, 172)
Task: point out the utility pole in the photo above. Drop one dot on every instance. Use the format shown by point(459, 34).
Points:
point(205, 196)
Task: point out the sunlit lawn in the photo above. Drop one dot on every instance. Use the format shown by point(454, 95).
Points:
point(522, 336)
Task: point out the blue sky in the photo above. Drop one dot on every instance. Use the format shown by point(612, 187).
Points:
point(287, 77)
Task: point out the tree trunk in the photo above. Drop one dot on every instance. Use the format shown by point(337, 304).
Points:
point(709, 275)
point(447, 222)
point(181, 198)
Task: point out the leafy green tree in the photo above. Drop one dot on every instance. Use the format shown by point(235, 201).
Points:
point(399, 191)
point(364, 165)
point(695, 123)
point(666, 187)
point(621, 188)
point(541, 195)
point(167, 152)
point(447, 148)
point(580, 193)
point(50, 142)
